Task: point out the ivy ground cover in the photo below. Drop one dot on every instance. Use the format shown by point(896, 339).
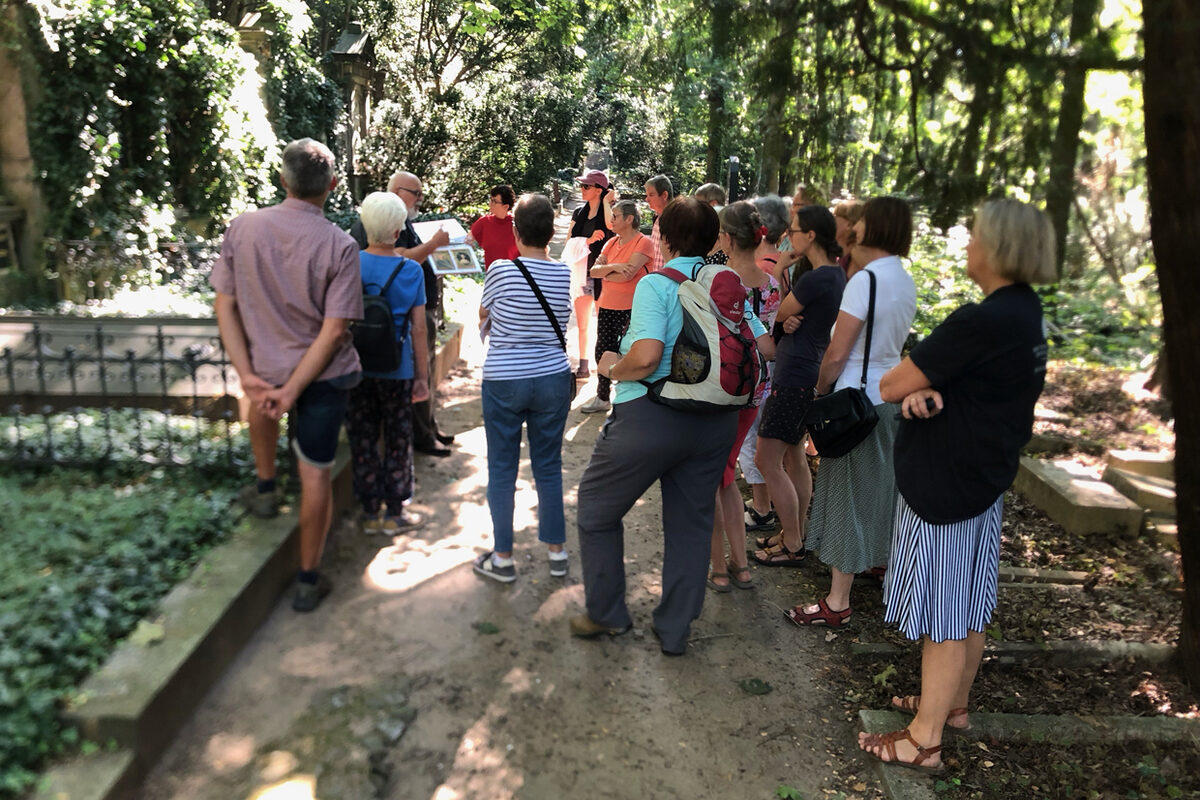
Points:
point(84, 557)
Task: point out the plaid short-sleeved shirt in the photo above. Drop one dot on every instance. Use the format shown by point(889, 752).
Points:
point(289, 269)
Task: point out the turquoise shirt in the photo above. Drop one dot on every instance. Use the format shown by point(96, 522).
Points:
point(656, 314)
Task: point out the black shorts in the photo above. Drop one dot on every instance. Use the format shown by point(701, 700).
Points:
point(783, 413)
point(317, 418)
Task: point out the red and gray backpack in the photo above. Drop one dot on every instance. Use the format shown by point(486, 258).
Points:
point(715, 364)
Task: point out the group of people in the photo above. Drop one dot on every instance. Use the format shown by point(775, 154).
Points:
point(829, 302)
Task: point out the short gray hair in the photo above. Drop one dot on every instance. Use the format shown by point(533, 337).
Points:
point(627, 208)
point(662, 185)
point(1018, 239)
point(774, 213)
point(308, 168)
point(710, 193)
point(393, 183)
point(382, 215)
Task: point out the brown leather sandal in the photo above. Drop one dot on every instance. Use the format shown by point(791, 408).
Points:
point(909, 704)
point(778, 555)
point(887, 741)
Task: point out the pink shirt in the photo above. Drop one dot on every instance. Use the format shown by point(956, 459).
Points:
point(656, 260)
point(289, 269)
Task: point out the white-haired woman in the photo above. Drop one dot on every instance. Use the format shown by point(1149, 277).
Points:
point(967, 394)
point(381, 406)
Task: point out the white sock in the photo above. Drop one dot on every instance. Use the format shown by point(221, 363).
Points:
point(560, 555)
point(501, 562)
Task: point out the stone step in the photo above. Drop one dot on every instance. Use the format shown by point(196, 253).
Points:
point(1153, 494)
point(1076, 500)
point(1156, 465)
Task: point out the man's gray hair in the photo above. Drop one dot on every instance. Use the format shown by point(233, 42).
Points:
point(393, 184)
point(308, 168)
point(662, 185)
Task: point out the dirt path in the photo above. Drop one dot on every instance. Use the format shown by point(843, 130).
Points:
point(524, 711)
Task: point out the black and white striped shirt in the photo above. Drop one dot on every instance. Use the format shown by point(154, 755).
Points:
point(522, 342)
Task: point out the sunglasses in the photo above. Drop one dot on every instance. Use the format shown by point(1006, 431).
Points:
point(587, 186)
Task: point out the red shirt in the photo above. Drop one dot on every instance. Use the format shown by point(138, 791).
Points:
point(496, 237)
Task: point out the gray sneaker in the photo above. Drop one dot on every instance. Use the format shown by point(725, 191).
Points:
point(309, 595)
point(487, 568)
point(595, 406)
point(558, 566)
point(260, 504)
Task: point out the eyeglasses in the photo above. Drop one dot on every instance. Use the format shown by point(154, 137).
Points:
point(587, 186)
point(413, 192)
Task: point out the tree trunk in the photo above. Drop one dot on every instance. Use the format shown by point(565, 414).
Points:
point(17, 173)
point(720, 25)
point(1060, 192)
point(1172, 107)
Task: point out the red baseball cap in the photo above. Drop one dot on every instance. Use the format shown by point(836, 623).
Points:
point(594, 177)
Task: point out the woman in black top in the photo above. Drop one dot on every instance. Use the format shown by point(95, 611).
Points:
point(816, 296)
point(593, 221)
point(967, 394)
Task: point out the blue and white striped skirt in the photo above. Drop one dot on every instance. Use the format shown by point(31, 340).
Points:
point(941, 579)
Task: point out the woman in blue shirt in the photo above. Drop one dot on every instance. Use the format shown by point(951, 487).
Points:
point(382, 404)
point(643, 441)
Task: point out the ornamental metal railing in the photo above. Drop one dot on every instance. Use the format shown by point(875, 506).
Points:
point(81, 392)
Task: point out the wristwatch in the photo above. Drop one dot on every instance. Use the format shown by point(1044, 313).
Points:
point(610, 369)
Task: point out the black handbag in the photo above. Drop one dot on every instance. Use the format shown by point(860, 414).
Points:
point(837, 422)
point(562, 339)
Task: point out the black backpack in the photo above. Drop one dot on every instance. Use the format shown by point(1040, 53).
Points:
point(375, 334)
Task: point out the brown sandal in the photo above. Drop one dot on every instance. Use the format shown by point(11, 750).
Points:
point(778, 555)
point(887, 741)
point(910, 704)
point(770, 540)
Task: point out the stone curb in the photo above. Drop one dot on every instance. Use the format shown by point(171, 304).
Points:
point(901, 783)
point(1063, 652)
point(143, 695)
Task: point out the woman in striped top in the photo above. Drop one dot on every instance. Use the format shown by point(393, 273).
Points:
point(526, 383)
point(967, 394)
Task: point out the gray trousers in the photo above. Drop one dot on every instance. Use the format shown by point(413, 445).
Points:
point(642, 442)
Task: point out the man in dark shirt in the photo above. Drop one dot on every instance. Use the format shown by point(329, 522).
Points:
point(408, 187)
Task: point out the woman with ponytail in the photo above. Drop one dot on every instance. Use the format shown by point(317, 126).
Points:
point(814, 289)
point(742, 231)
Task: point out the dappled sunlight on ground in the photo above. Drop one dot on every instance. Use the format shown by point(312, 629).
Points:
point(226, 752)
point(295, 788)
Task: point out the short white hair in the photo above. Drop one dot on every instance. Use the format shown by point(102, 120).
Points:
point(382, 215)
point(1019, 240)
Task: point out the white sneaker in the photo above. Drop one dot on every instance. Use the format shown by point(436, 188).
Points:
point(595, 405)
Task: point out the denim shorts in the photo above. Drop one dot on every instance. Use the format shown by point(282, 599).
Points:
point(317, 418)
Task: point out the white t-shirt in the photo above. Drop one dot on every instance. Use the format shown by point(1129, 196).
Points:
point(895, 307)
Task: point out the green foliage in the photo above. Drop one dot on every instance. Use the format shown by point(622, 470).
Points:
point(139, 118)
point(88, 560)
point(301, 100)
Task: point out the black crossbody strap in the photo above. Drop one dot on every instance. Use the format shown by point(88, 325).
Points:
point(870, 325)
point(562, 340)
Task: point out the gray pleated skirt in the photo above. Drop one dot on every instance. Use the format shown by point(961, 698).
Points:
point(854, 500)
point(941, 581)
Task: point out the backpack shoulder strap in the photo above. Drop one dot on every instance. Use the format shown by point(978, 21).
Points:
point(392, 277)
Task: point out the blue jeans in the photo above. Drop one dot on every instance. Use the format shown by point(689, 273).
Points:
point(541, 404)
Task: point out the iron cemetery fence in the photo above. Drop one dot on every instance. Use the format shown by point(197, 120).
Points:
point(87, 392)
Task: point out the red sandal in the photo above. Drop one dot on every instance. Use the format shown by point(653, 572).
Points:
point(887, 741)
point(824, 615)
